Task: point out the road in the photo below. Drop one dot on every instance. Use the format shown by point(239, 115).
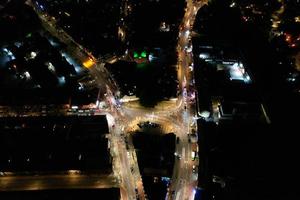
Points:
point(177, 119)
point(184, 180)
point(68, 181)
point(76, 51)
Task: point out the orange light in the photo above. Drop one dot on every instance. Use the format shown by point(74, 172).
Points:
point(288, 37)
point(89, 63)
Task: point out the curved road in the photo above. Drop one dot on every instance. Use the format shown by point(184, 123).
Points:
point(179, 119)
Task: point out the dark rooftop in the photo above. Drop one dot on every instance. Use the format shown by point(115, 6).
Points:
point(88, 194)
point(155, 161)
point(45, 144)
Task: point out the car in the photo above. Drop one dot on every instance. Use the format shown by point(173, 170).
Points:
point(193, 155)
point(194, 169)
point(177, 155)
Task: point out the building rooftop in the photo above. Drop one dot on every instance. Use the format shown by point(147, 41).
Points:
point(71, 194)
point(48, 144)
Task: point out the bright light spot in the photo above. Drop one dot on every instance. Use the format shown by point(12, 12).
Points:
point(74, 107)
point(232, 5)
point(110, 119)
point(187, 23)
point(205, 114)
point(275, 24)
point(203, 55)
point(144, 54)
point(80, 87)
point(67, 14)
point(9, 53)
point(164, 27)
point(29, 35)
point(27, 75)
point(102, 105)
point(193, 154)
point(150, 57)
point(61, 80)
point(194, 191)
point(288, 37)
point(187, 33)
point(135, 55)
point(72, 172)
point(89, 63)
point(291, 79)
point(247, 79)
point(33, 55)
point(50, 67)
point(238, 72)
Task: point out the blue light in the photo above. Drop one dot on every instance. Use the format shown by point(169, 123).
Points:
point(61, 80)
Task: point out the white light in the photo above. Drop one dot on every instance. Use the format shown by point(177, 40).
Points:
point(27, 75)
point(205, 114)
point(110, 119)
point(203, 55)
point(248, 77)
point(74, 107)
point(80, 87)
point(72, 172)
point(32, 55)
point(50, 66)
point(150, 57)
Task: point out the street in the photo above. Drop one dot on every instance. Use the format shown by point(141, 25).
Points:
point(173, 117)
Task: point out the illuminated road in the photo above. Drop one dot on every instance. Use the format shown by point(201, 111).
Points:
point(76, 51)
point(71, 181)
point(177, 117)
point(184, 180)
